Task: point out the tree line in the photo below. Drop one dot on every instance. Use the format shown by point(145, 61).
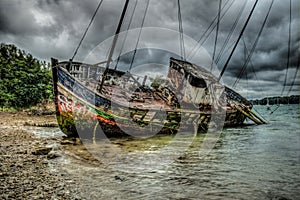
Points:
point(294, 99)
point(24, 80)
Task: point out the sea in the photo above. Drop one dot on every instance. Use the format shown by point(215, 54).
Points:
point(248, 162)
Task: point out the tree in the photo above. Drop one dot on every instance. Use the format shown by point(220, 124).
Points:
point(24, 80)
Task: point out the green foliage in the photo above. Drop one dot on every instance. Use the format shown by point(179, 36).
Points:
point(24, 80)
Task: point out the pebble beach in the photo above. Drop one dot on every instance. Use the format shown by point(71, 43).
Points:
point(25, 159)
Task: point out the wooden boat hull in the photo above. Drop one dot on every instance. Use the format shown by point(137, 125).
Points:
point(80, 111)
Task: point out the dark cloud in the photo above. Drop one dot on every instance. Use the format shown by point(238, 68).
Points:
point(13, 20)
point(145, 56)
point(53, 28)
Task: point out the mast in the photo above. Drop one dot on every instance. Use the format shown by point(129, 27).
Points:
point(181, 36)
point(113, 46)
point(239, 38)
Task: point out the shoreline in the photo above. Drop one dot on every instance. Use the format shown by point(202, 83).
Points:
point(25, 160)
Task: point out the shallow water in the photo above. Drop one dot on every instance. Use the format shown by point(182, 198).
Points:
point(43, 132)
point(250, 162)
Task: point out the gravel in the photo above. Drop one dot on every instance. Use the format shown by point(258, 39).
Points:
point(25, 172)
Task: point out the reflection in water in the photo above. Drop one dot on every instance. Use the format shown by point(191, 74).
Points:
point(251, 162)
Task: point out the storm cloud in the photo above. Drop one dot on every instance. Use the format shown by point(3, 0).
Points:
point(53, 28)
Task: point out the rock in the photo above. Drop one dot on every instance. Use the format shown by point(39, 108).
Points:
point(53, 155)
point(21, 152)
point(45, 162)
point(118, 178)
point(68, 141)
point(41, 151)
point(26, 124)
point(2, 174)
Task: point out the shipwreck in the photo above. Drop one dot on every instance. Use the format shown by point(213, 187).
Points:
point(88, 95)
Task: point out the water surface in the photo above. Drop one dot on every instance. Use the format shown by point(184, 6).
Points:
point(250, 162)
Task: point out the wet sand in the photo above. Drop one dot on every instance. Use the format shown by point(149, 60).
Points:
point(25, 160)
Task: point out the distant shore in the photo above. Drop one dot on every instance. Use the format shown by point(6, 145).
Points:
point(294, 99)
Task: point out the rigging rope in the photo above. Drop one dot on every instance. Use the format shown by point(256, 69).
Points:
point(217, 34)
point(240, 36)
point(230, 33)
point(253, 47)
point(251, 65)
point(197, 46)
point(113, 45)
point(182, 47)
point(289, 50)
point(125, 38)
point(275, 109)
point(247, 78)
point(295, 76)
point(288, 60)
point(88, 27)
point(140, 32)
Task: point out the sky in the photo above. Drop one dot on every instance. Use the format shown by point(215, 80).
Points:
point(53, 28)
